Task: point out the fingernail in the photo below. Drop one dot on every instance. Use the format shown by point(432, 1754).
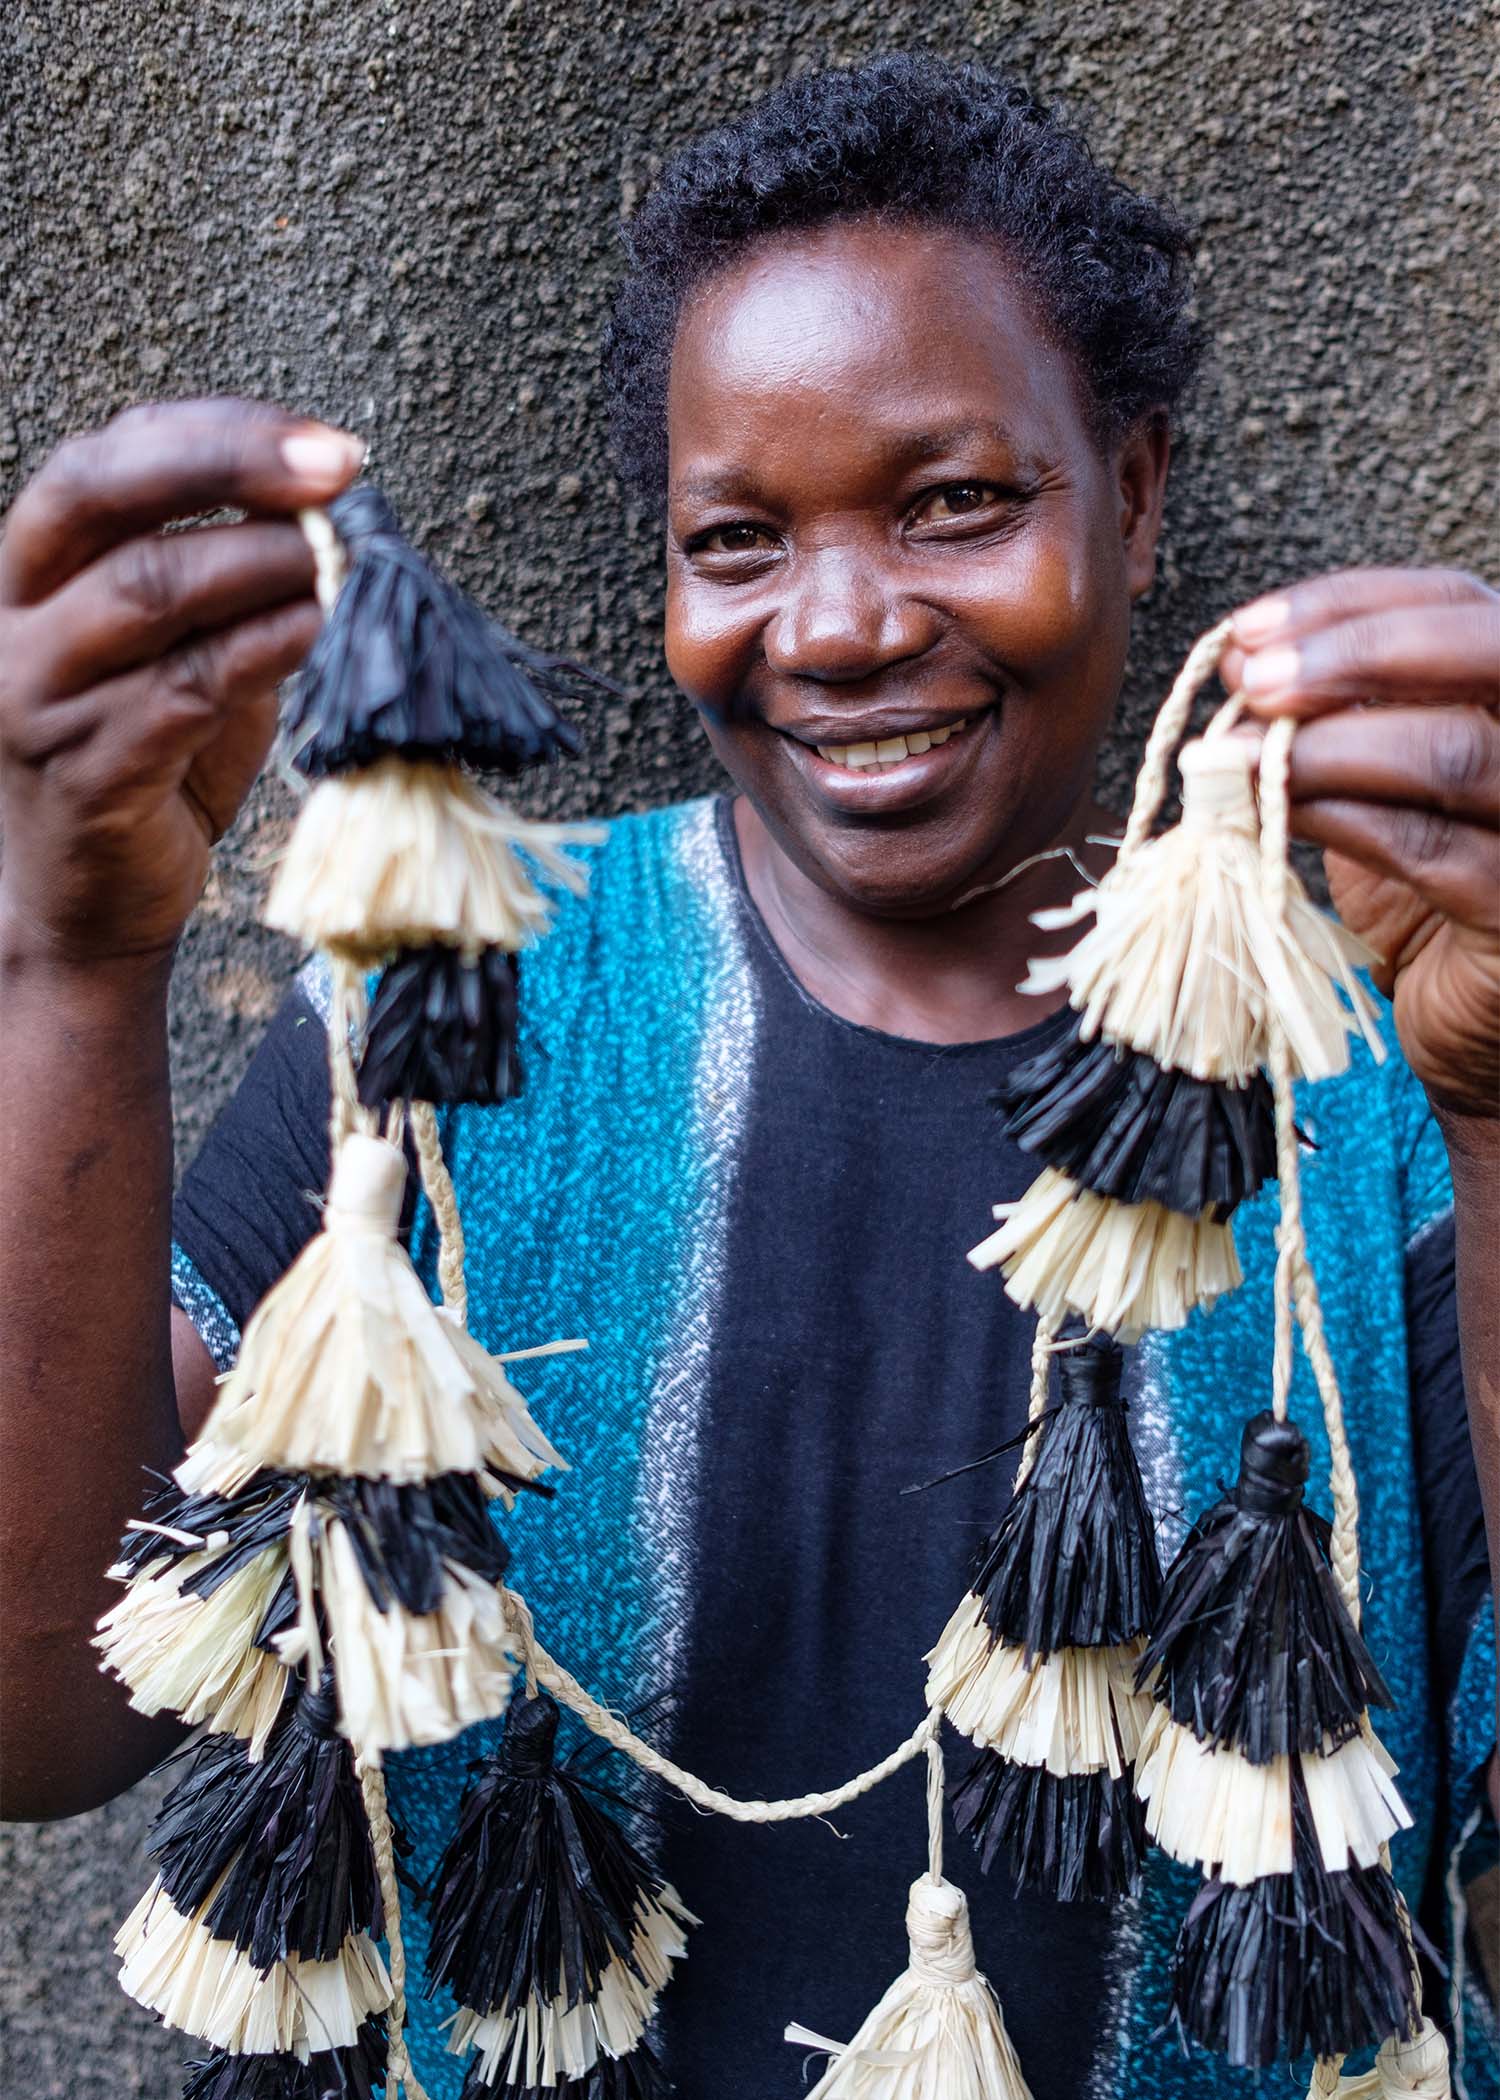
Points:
point(1269, 669)
point(1252, 623)
point(322, 455)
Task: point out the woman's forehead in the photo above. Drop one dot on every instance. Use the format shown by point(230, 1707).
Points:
point(919, 338)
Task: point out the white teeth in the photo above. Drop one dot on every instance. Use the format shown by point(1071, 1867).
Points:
point(890, 750)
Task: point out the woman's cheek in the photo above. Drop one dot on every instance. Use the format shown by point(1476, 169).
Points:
point(1037, 608)
point(710, 641)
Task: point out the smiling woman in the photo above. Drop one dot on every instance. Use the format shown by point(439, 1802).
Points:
point(899, 364)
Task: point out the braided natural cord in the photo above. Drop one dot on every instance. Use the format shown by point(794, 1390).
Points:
point(1166, 733)
point(437, 1186)
point(1296, 1286)
point(566, 1689)
point(346, 1019)
point(935, 1790)
point(398, 2059)
point(1041, 1378)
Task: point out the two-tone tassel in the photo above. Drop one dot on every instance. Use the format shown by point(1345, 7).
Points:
point(1037, 1666)
point(399, 857)
point(1152, 1115)
point(258, 1933)
point(553, 1933)
point(1259, 1766)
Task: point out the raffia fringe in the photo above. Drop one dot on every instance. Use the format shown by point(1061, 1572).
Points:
point(207, 1987)
point(1185, 959)
point(540, 2045)
point(1123, 1267)
point(398, 855)
point(1072, 1712)
point(194, 1656)
point(405, 1679)
point(1214, 1809)
point(938, 2033)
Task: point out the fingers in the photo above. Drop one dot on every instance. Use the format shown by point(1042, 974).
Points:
point(1429, 634)
point(1454, 865)
point(135, 602)
point(1346, 594)
point(137, 724)
point(1431, 652)
point(1445, 759)
point(158, 463)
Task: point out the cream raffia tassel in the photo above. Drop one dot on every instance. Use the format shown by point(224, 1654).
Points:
point(938, 2033)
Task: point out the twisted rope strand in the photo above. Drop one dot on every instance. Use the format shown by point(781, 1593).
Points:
point(1166, 733)
point(935, 1779)
point(437, 1186)
point(1296, 1286)
point(1041, 1379)
point(565, 1688)
point(398, 2057)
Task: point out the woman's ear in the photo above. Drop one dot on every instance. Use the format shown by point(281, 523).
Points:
point(1141, 476)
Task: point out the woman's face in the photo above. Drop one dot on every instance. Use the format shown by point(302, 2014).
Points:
point(900, 566)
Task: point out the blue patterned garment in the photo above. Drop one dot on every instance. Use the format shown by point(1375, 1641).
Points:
point(757, 1214)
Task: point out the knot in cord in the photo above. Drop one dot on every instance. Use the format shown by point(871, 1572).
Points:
point(937, 1924)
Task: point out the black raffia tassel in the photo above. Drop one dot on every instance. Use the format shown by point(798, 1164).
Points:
point(407, 666)
point(1079, 1835)
point(357, 2073)
point(1307, 1961)
point(554, 1934)
point(442, 1028)
point(1037, 1665)
point(1258, 1673)
point(1252, 1646)
point(258, 1932)
point(1122, 1125)
point(208, 1589)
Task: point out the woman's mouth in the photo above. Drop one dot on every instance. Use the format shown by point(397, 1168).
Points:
point(877, 774)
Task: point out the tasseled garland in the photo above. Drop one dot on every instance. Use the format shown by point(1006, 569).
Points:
point(1037, 1665)
point(258, 1933)
point(443, 1028)
point(208, 1590)
point(357, 2073)
point(550, 1929)
point(1260, 1766)
point(1116, 1122)
point(405, 663)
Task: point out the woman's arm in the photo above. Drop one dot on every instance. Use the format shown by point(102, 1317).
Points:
point(137, 701)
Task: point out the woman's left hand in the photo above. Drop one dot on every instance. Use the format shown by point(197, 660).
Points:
point(1404, 794)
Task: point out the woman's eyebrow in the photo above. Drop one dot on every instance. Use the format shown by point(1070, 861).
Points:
point(952, 437)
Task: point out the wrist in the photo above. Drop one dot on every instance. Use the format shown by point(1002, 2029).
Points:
point(37, 961)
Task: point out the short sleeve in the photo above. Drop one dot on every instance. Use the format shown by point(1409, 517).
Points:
point(249, 1202)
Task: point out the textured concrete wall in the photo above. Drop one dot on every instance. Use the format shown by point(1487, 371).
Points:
point(402, 216)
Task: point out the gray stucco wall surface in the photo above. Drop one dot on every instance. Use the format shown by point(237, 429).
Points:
point(402, 217)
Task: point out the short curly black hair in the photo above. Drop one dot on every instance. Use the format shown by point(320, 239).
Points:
point(910, 136)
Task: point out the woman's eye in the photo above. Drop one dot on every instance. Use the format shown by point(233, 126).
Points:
point(734, 539)
point(958, 500)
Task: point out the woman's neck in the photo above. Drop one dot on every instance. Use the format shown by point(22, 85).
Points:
point(953, 978)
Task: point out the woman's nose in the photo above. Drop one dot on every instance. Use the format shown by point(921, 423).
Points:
point(841, 619)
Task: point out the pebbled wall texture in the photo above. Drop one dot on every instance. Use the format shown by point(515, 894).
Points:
point(402, 216)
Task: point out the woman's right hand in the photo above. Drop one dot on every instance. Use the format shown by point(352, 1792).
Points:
point(138, 669)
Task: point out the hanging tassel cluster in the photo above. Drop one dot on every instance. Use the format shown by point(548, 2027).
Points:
point(1152, 1115)
point(259, 1931)
point(1037, 1666)
point(1259, 1766)
point(399, 858)
point(552, 1932)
